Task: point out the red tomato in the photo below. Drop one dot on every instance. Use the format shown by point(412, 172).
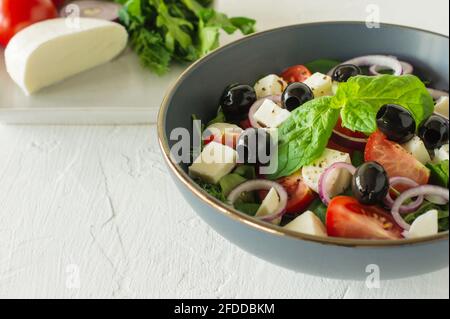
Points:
point(16, 15)
point(245, 124)
point(229, 139)
point(395, 160)
point(300, 196)
point(296, 73)
point(347, 218)
point(58, 3)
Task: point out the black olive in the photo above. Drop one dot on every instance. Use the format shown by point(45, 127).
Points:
point(370, 183)
point(236, 101)
point(344, 72)
point(434, 132)
point(255, 146)
point(295, 95)
point(396, 122)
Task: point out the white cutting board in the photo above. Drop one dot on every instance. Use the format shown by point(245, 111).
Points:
point(119, 92)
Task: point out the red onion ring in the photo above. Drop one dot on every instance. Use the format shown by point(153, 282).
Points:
point(437, 94)
point(348, 141)
point(324, 196)
point(262, 184)
point(407, 68)
point(405, 208)
point(369, 60)
point(251, 113)
point(414, 192)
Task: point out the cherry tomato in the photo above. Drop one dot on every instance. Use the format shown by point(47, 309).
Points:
point(395, 159)
point(229, 139)
point(16, 15)
point(300, 196)
point(347, 218)
point(296, 73)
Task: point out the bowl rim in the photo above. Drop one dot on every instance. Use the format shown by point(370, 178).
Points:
point(250, 221)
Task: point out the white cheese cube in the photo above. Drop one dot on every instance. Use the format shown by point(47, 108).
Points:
point(441, 107)
point(215, 161)
point(417, 148)
point(269, 205)
point(270, 85)
point(308, 223)
point(50, 51)
point(338, 181)
point(441, 154)
point(271, 115)
point(320, 84)
point(425, 225)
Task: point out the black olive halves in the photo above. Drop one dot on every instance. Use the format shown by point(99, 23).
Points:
point(295, 95)
point(344, 72)
point(370, 183)
point(434, 132)
point(396, 122)
point(236, 101)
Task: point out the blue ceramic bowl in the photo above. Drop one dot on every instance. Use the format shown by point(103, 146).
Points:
point(197, 92)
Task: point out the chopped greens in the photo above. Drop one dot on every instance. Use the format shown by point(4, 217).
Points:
point(162, 31)
point(439, 173)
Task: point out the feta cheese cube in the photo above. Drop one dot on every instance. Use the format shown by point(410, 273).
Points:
point(320, 84)
point(441, 154)
point(270, 85)
point(425, 225)
point(270, 205)
point(271, 115)
point(417, 148)
point(441, 107)
point(308, 223)
point(338, 181)
point(215, 161)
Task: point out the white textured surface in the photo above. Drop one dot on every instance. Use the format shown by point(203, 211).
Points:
point(97, 204)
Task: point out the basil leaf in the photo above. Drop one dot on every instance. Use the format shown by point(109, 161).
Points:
point(439, 173)
point(361, 115)
point(304, 136)
point(360, 91)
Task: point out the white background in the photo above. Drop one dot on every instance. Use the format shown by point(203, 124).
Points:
point(91, 211)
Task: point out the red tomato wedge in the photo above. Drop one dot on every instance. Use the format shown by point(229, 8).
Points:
point(395, 160)
point(16, 15)
point(300, 196)
point(347, 218)
point(296, 73)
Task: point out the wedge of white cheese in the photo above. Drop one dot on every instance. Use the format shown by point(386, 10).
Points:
point(320, 84)
point(338, 181)
point(50, 51)
point(424, 225)
point(270, 115)
point(308, 223)
point(441, 107)
point(416, 148)
point(441, 154)
point(269, 205)
point(270, 85)
point(215, 161)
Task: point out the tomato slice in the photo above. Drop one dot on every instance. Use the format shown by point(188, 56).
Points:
point(229, 139)
point(395, 160)
point(347, 218)
point(245, 124)
point(296, 73)
point(16, 15)
point(300, 196)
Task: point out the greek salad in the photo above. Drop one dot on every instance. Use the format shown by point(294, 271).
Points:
point(358, 149)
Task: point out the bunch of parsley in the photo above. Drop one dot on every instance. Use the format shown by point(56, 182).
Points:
point(162, 31)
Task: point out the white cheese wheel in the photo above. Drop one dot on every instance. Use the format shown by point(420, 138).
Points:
point(50, 51)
